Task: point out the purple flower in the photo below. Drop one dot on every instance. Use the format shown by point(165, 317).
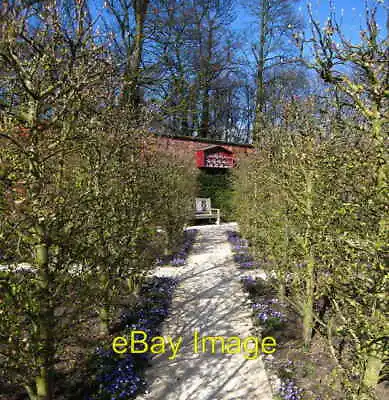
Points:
point(289, 391)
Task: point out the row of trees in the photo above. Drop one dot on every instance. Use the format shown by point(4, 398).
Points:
point(313, 202)
point(218, 83)
point(180, 56)
point(85, 205)
point(189, 62)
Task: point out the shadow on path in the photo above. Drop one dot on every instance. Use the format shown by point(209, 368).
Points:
point(208, 299)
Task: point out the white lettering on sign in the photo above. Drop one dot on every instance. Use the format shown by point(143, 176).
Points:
point(219, 160)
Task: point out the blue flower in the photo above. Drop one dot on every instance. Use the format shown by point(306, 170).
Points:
point(289, 391)
point(119, 377)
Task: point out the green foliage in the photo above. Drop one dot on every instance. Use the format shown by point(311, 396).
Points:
point(82, 195)
point(97, 216)
point(218, 186)
point(314, 210)
point(175, 181)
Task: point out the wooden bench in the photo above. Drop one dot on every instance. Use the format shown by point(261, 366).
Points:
point(205, 211)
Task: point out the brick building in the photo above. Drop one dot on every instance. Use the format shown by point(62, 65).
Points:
point(206, 154)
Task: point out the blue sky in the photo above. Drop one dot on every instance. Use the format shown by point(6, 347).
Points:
point(350, 13)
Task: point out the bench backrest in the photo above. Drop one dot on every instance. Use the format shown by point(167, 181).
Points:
point(203, 204)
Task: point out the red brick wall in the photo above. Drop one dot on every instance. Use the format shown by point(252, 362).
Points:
point(188, 147)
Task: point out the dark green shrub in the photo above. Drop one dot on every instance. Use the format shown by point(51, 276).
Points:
point(217, 184)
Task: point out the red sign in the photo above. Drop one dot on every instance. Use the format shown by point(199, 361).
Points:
point(215, 157)
point(219, 160)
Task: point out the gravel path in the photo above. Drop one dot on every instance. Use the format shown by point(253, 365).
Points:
point(208, 299)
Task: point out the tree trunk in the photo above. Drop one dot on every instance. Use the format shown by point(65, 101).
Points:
point(374, 363)
point(45, 359)
point(372, 371)
point(205, 112)
point(308, 305)
point(285, 261)
point(104, 320)
point(131, 93)
point(260, 96)
point(204, 126)
point(308, 319)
